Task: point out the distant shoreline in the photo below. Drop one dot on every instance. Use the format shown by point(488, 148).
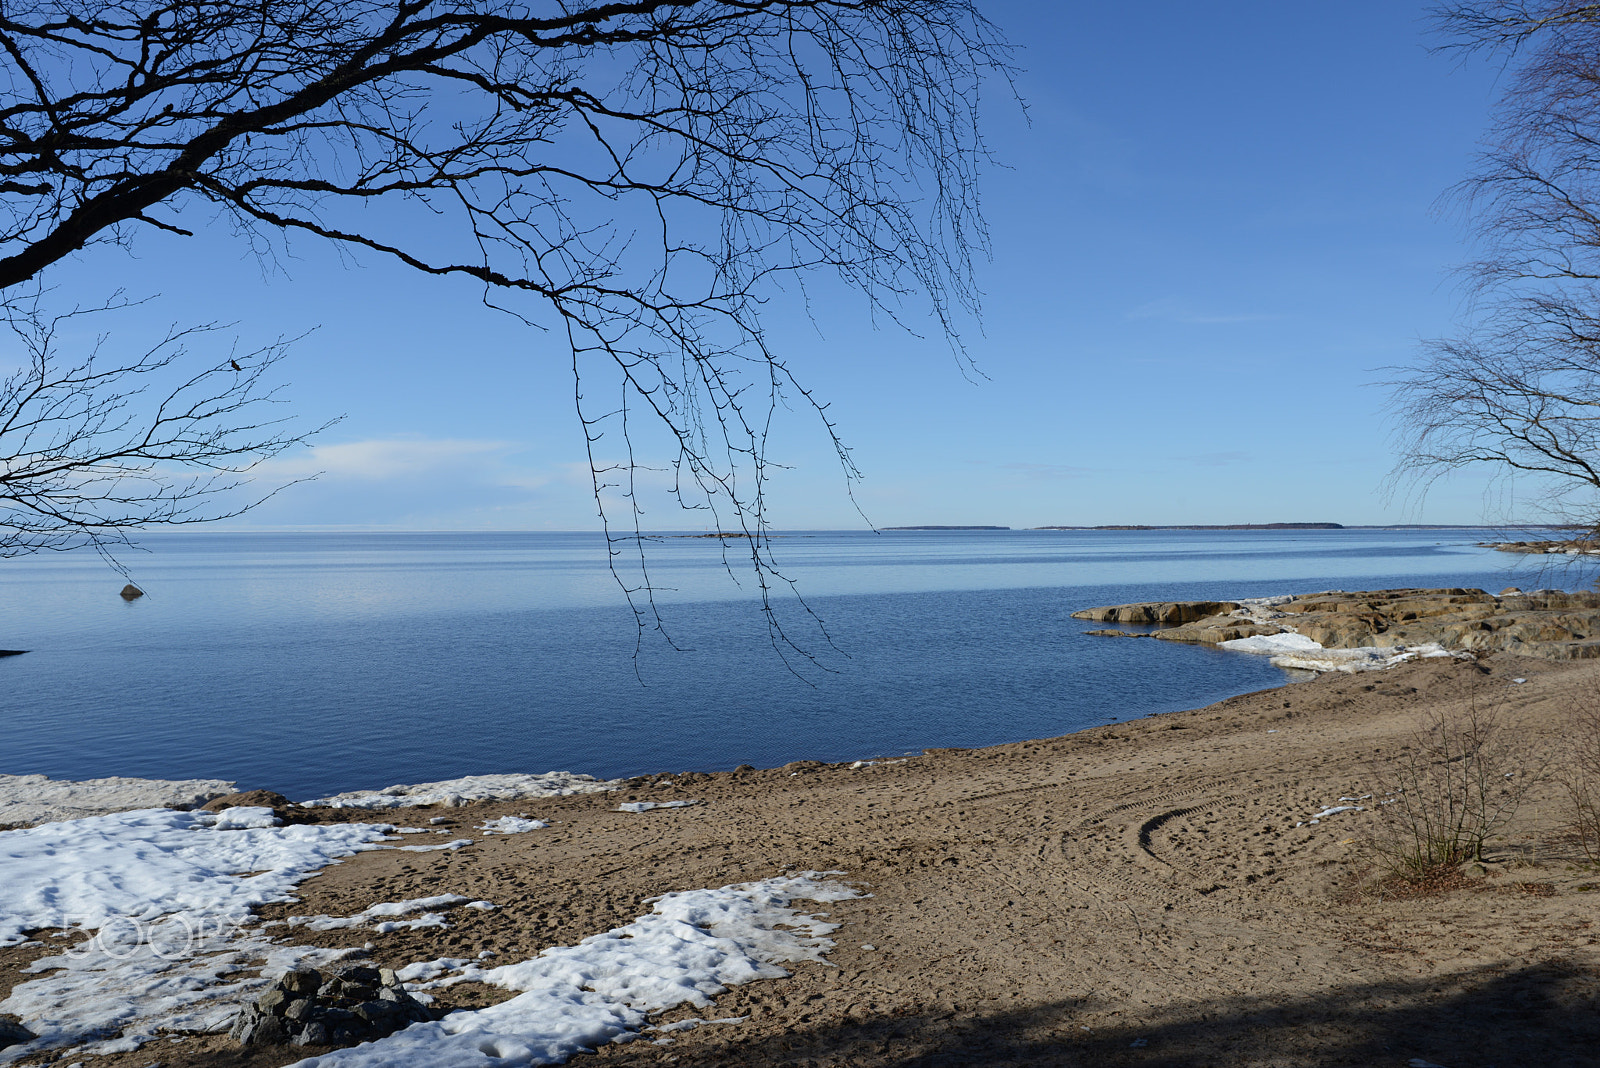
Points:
point(1218, 526)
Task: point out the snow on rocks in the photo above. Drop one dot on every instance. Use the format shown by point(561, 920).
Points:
point(162, 897)
point(646, 806)
point(1291, 650)
point(693, 946)
point(242, 818)
point(454, 792)
point(511, 825)
point(29, 799)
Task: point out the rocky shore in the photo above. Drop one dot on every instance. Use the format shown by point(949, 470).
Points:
point(1546, 624)
point(1571, 547)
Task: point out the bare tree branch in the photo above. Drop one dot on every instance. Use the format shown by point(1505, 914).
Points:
point(639, 175)
point(93, 448)
point(1520, 390)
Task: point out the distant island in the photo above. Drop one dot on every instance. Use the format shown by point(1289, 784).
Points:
point(1205, 526)
point(933, 527)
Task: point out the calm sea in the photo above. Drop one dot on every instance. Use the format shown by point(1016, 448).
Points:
point(315, 663)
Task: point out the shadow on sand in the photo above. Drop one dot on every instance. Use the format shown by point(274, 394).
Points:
point(1544, 1016)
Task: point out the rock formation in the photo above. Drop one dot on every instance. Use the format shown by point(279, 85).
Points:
point(357, 1004)
point(1550, 624)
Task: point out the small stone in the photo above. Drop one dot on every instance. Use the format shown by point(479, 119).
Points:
point(300, 1010)
point(268, 1031)
point(130, 592)
point(378, 1013)
point(386, 977)
point(301, 981)
point(273, 1001)
point(244, 1023)
point(331, 989)
point(315, 1034)
point(12, 1033)
point(363, 975)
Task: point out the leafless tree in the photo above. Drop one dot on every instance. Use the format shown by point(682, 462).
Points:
point(637, 175)
point(1520, 390)
point(97, 446)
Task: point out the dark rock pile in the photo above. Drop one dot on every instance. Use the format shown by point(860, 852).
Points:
point(356, 1004)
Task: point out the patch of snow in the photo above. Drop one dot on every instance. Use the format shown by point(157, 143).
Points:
point(459, 843)
point(242, 818)
point(390, 908)
point(1272, 644)
point(693, 946)
point(30, 799)
point(690, 1025)
point(646, 806)
point(427, 919)
point(512, 825)
point(1291, 650)
point(1334, 810)
point(470, 788)
point(159, 894)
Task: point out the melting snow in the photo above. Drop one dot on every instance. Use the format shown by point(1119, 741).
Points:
point(512, 825)
point(160, 894)
point(646, 806)
point(393, 908)
point(471, 788)
point(459, 843)
point(693, 946)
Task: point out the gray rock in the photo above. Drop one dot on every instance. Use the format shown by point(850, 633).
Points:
point(274, 1001)
point(244, 1024)
point(315, 1034)
point(300, 1010)
point(12, 1033)
point(267, 1031)
point(302, 981)
point(130, 592)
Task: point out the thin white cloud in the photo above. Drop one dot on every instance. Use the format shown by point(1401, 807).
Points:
point(382, 459)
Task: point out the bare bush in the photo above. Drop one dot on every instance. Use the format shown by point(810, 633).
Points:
point(1580, 774)
point(1455, 785)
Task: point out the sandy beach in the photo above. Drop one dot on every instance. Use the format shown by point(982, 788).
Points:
point(1144, 893)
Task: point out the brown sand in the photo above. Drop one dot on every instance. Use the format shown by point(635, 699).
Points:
point(1135, 894)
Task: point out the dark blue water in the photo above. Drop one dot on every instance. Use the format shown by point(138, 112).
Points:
point(314, 663)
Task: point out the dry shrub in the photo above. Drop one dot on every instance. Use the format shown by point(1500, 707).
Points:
point(1454, 786)
point(1580, 773)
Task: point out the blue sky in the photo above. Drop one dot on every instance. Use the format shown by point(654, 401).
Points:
point(1219, 225)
